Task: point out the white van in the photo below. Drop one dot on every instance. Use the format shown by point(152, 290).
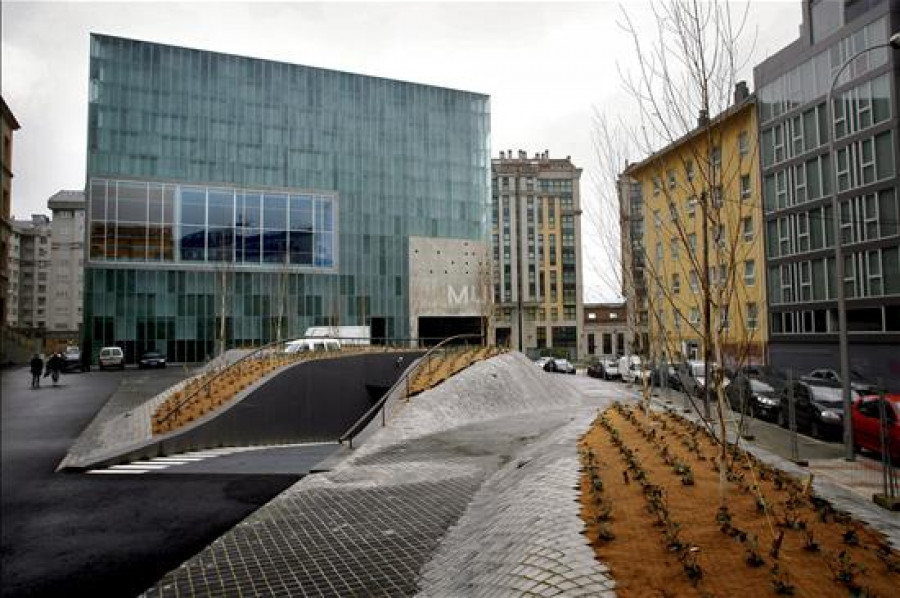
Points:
point(111, 357)
point(313, 345)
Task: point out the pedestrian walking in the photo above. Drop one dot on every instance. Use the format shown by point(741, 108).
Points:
point(54, 366)
point(37, 366)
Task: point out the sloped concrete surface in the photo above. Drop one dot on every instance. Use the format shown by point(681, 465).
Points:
point(521, 533)
point(126, 418)
point(489, 456)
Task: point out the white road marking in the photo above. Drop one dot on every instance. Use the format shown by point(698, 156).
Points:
point(160, 463)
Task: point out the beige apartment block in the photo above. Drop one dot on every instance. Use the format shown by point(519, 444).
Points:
point(536, 240)
point(66, 286)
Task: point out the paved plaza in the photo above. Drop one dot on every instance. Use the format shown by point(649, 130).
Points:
point(470, 490)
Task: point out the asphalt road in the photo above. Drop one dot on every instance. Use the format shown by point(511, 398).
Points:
point(80, 535)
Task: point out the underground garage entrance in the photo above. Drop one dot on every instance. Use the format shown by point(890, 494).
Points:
point(434, 329)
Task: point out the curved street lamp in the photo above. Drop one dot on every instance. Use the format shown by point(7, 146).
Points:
point(893, 42)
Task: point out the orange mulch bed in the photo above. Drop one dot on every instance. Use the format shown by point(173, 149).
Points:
point(652, 501)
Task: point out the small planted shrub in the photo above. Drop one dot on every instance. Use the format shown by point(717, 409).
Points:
point(780, 582)
point(752, 555)
point(690, 562)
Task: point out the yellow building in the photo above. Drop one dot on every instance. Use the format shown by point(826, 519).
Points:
point(8, 124)
point(708, 174)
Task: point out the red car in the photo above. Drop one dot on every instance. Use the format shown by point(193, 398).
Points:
point(866, 422)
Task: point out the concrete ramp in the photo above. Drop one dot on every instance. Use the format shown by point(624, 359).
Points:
point(311, 401)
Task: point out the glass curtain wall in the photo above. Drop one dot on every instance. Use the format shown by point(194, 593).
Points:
point(210, 155)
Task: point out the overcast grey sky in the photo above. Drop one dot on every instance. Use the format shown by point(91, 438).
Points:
point(545, 65)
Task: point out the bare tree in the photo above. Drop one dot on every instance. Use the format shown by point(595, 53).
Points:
point(684, 91)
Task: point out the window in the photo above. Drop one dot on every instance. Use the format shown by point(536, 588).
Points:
point(744, 143)
point(657, 221)
point(673, 246)
point(672, 180)
point(695, 316)
point(689, 170)
point(747, 228)
point(752, 316)
point(692, 243)
point(694, 281)
point(865, 161)
point(717, 196)
point(715, 156)
point(657, 185)
point(750, 272)
point(745, 186)
point(676, 284)
point(723, 317)
point(720, 236)
point(692, 206)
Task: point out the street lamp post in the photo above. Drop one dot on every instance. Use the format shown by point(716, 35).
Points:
point(894, 42)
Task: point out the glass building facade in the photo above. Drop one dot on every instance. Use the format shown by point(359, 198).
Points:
point(796, 133)
point(250, 198)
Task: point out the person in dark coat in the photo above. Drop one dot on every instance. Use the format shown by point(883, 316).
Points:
point(37, 366)
point(55, 365)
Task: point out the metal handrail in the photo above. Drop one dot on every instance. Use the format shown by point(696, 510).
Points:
point(253, 354)
point(404, 379)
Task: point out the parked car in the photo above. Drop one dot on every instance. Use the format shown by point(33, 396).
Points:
point(542, 361)
point(631, 369)
point(858, 382)
point(605, 367)
point(692, 375)
point(754, 397)
point(560, 366)
point(152, 359)
point(866, 419)
point(665, 373)
point(112, 357)
point(818, 408)
point(72, 361)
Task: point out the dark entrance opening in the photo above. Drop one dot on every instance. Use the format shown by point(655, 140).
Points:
point(433, 330)
point(378, 330)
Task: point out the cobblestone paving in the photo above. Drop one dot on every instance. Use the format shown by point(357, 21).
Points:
point(370, 526)
point(328, 542)
point(521, 536)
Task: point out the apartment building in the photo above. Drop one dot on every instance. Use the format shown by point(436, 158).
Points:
point(536, 217)
point(29, 263)
point(702, 238)
point(634, 284)
point(66, 262)
point(606, 328)
point(809, 152)
point(8, 124)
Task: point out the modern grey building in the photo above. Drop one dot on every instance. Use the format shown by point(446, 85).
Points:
point(795, 136)
point(234, 201)
point(537, 252)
